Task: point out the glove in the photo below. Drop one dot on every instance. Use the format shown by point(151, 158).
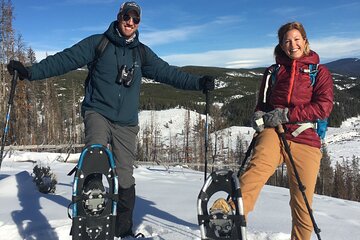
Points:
point(257, 121)
point(19, 67)
point(207, 83)
point(276, 117)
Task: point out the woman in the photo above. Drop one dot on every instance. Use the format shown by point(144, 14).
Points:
point(290, 99)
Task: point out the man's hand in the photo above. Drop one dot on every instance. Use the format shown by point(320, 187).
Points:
point(19, 67)
point(207, 83)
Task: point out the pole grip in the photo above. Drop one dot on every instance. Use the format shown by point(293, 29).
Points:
point(280, 129)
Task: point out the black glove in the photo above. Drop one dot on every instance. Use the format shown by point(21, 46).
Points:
point(276, 117)
point(19, 67)
point(207, 83)
point(257, 121)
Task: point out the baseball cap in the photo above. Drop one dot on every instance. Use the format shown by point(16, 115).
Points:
point(130, 6)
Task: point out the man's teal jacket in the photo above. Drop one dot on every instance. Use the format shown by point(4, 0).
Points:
point(114, 101)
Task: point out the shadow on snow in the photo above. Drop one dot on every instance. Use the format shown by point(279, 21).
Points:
point(31, 223)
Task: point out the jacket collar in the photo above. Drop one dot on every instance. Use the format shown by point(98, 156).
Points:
point(312, 58)
point(115, 37)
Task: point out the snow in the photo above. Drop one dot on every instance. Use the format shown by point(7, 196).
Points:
point(166, 197)
point(165, 206)
point(343, 143)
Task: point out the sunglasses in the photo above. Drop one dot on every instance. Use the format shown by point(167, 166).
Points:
point(127, 17)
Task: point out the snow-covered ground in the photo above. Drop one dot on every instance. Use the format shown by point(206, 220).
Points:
point(166, 198)
point(165, 206)
point(344, 143)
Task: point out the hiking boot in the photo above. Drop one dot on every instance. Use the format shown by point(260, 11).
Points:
point(220, 223)
point(222, 206)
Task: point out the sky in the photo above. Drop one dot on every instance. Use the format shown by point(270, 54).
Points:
point(232, 34)
point(166, 197)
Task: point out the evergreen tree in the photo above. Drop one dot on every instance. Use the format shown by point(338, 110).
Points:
point(325, 176)
point(338, 189)
point(356, 178)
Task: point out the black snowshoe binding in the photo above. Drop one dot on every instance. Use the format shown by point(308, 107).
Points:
point(94, 193)
point(94, 206)
point(225, 219)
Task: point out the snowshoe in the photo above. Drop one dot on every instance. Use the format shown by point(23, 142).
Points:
point(225, 219)
point(93, 204)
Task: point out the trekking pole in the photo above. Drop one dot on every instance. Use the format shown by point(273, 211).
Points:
point(301, 186)
point(9, 106)
point(206, 131)
point(247, 155)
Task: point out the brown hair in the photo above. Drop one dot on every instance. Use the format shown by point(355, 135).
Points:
point(283, 30)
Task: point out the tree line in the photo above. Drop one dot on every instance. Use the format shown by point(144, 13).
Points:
point(38, 116)
point(339, 181)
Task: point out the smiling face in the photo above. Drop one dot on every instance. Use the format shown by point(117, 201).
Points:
point(127, 25)
point(293, 44)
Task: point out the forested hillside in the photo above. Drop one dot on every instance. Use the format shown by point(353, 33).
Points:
point(48, 111)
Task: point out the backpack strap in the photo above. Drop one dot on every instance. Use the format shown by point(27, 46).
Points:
point(271, 73)
point(99, 51)
point(142, 53)
point(100, 48)
point(312, 71)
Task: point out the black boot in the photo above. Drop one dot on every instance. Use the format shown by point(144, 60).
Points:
point(125, 208)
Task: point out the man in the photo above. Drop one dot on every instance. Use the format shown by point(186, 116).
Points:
point(110, 106)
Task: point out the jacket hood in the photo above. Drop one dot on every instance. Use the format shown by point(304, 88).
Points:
point(113, 35)
point(312, 58)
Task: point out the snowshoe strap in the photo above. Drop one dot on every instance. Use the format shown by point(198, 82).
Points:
point(238, 219)
point(111, 196)
point(74, 170)
point(68, 212)
point(139, 235)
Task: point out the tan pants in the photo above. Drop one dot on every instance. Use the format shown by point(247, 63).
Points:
point(268, 154)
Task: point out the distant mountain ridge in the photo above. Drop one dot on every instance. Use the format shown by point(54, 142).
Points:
point(345, 66)
point(235, 95)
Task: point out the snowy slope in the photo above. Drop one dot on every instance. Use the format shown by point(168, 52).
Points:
point(165, 206)
point(344, 142)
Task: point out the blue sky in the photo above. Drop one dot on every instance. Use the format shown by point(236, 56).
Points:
point(233, 33)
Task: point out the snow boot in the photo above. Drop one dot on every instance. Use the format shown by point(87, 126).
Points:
point(125, 208)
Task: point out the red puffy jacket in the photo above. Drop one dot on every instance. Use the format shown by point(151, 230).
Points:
point(292, 89)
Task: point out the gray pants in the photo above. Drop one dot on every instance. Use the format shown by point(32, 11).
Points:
point(99, 130)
